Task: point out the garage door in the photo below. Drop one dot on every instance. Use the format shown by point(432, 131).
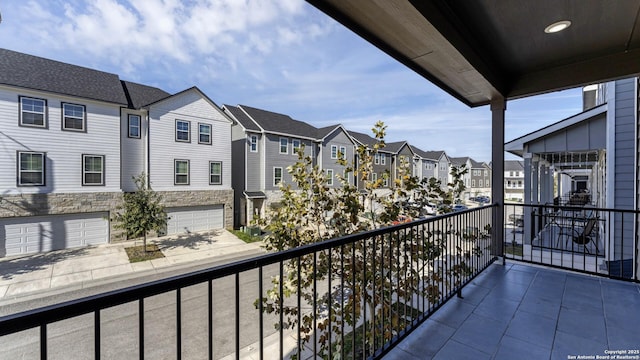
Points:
point(191, 219)
point(28, 235)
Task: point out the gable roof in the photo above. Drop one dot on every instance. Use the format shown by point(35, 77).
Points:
point(457, 161)
point(513, 165)
point(37, 73)
point(421, 153)
point(395, 147)
point(367, 140)
point(279, 123)
point(139, 95)
point(242, 118)
point(434, 155)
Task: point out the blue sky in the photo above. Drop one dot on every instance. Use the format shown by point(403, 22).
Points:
point(279, 55)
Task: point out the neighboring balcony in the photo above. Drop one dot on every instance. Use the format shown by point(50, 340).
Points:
point(426, 289)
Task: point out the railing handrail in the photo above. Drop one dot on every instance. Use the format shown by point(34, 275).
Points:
point(32, 318)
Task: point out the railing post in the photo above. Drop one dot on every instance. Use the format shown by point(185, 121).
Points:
point(498, 107)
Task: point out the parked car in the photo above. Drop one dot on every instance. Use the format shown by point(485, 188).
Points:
point(459, 207)
point(429, 209)
point(483, 199)
point(517, 219)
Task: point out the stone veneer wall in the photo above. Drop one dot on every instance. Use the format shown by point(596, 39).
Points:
point(76, 203)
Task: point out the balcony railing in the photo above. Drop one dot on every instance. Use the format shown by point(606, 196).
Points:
point(582, 238)
point(356, 296)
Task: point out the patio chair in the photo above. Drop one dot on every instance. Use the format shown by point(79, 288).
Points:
point(582, 235)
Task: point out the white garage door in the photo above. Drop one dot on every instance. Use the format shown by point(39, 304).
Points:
point(195, 218)
point(27, 235)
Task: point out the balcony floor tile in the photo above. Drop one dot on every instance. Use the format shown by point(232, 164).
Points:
point(529, 312)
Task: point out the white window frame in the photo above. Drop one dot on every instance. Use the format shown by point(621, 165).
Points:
point(130, 126)
point(330, 177)
point(385, 182)
point(212, 174)
point(376, 159)
point(20, 171)
point(86, 172)
point(31, 110)
point(487, 183)
point(200, 133)
point(276, 183)
point(176, 174)
point(443, 167)
point(334, 151)
point(473, 182)
point(82, 117)
point(182, 131)
point(343, 151)
point(480, 183)
point(285, 145)
point(383, 159)
point(253, 143)
point(295, 147)
point(374, 177)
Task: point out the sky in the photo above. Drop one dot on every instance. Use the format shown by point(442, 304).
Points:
point(283, 56)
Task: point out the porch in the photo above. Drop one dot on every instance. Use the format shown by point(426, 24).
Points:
point(529, 312)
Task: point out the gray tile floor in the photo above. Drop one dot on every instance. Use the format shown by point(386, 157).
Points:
point(518, 311)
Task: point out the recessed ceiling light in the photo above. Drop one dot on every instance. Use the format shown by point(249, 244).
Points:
point(557, 26)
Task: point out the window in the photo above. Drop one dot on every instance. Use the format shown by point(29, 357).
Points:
point(204, 133)
point(374, 176)
point(519, 183)
point(511, 173)
point(32, 112)
point(509, 183)
point(480, 183)
point(181, 172)
point(473, 183)
point(284, 145)
point(334, 151)
point(73, 117)
point(134, 126)
point(253, 143)
point(383, 159)
point(376, 158)
point(277, 176)
point(477, 173)
point(330, 177)
point(429, 166)
point(443, 167)
point(343, 151)
point(295, 145)
point(92, 170)
point(31, 167)
point(182, 131)
point(385, 182)
point(487, 183)
point(486, 173)
point(215, 173)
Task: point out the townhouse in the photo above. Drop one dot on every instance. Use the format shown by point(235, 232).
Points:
point(265, 143)
point(73, 137)
point(514, 180)
point(382, 161)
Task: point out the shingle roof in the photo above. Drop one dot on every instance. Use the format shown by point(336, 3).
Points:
point(322, 132)
point(433, 155)
point(458, 160)
point(513, 165)
point(242, 118)
point(280, 123)
point(394, 147)
point(419, 152)
point(32, 72)
point(140, 95)
point(476, 164)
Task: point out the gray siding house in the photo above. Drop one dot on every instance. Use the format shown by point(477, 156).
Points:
point(265, 143)
point(382, 161)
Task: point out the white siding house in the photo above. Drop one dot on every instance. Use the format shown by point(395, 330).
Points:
point(70, 148)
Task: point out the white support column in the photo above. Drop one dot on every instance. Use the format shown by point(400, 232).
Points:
point(498, 107)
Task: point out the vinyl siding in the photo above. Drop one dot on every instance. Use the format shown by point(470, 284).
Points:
point(625, 162)
point(254, 165)
point(273, 158)
point(339, 139)
point(64, 148)
point(192, 107)
point(133, 149)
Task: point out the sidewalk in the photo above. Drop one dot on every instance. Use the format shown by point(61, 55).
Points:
point(64, 270)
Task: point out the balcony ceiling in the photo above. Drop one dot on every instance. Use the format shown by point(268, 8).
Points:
point(482, 49)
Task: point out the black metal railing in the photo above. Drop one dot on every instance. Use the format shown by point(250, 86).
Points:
point(356, 296)
point(581, 238)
